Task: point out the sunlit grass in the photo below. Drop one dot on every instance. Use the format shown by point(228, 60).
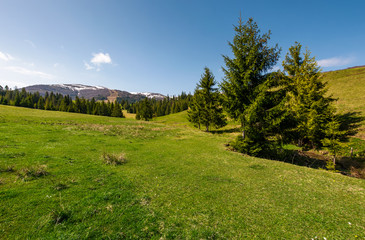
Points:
point(178, 183)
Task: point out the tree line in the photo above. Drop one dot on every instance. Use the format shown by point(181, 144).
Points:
point(273, 107)
point(58, 102)
point(150, 107)
point(144, 110)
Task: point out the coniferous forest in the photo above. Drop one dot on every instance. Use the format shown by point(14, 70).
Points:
point(144, 110)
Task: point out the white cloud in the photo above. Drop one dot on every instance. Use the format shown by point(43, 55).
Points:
point(6, 57)
point(100, 58)
point(335, 62)
point(28, 72)
point(97, 60)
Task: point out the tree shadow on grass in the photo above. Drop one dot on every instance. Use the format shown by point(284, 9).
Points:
point(351, 166)
point(298, 157)
point(350, 122)
point(222, 131)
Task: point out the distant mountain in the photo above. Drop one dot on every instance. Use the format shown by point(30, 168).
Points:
point(89, 92)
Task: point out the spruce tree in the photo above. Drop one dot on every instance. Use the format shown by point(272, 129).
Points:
point(145, 111)
point(307, 104)
point(246, 83)
point(117, 112)
point(206, 109)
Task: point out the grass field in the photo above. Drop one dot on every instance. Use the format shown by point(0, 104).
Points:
point(178, 182)
point(348, 86)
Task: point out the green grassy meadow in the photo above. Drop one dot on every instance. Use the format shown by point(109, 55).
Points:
point(348, 86)
point(178, 182)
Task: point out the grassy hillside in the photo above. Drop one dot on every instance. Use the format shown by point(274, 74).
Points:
point(178, 182)
point(349, 87)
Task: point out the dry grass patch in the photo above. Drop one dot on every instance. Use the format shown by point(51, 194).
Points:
point(32, 172)
point(358, 172)
point(114, 159)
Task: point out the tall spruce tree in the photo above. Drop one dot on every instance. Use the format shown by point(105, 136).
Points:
point(145, 111)
point(307, 104)
point(205, 109)
point(117, 111)
point(246, 83)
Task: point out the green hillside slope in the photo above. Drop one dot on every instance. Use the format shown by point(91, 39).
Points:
point(178, 183)
point(349, 87)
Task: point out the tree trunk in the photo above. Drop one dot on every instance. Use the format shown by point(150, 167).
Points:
point(243, 131)
point(207, 128)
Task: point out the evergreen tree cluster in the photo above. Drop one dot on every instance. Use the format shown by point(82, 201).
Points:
point(148, 108)
point(58, 102)
point(272, 107)
point(276, 107)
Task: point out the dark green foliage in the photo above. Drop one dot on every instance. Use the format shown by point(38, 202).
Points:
point(205, 108)
point(117, 111)
point(145, 111)
point(246, 84)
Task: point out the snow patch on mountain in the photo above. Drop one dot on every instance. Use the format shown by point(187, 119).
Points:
point(79, 87)
point(148, 94)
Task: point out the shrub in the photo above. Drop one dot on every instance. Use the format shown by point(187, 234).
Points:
point(254, 148)
point(114, 159)
point(331, 166)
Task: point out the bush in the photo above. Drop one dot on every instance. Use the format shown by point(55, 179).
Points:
point(114, 159)
point(252, 148)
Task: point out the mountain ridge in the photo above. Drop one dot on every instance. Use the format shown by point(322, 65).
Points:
point(89, 92)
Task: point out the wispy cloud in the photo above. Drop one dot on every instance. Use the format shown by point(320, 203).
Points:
point(29, 72)
point(97, 60)
point(88, 66)
point(30, 43)
point(6, 57)
point(335, 62)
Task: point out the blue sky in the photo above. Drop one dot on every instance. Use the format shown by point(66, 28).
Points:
point(162, 46)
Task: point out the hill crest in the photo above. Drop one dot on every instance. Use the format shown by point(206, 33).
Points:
point(89, 92)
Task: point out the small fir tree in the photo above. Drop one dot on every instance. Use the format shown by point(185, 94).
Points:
point(332, 141)
point(205, 109)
